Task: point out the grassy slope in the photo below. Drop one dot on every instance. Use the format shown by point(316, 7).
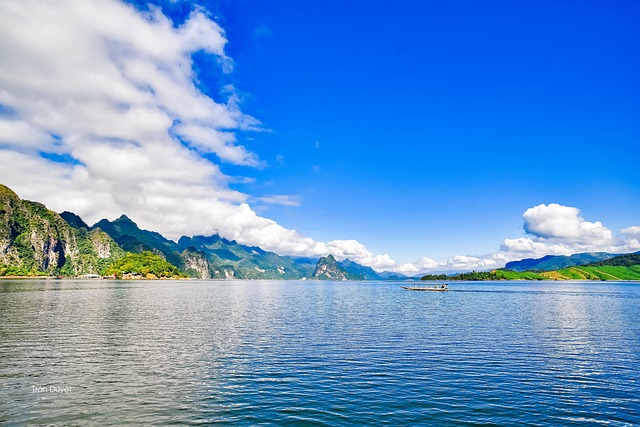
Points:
point(591, 272)
point(605, 272)
point(621, 267)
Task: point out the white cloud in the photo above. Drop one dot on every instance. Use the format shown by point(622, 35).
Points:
point(113, 91)
point(560, 230)
point(222, 143)
point(551, 229)
point(422, 265)
point(280, 199)
point(631, 238)
point(631, 231)
point(557, 221)
point(356, 251)
point(20, 135)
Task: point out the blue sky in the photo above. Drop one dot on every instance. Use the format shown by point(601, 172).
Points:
point(427, 129)
point(433, 127)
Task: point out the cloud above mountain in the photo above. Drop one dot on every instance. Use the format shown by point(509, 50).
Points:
point(561, 230)
point(551, 229)
point(100, 114)
point(555, 221)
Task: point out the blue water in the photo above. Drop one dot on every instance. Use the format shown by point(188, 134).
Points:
point(313, 353)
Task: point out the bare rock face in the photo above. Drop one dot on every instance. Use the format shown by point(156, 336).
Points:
point(101, 243)
point(195, 263)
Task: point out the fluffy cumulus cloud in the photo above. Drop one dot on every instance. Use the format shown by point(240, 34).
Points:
point(551, 229)
point(561, 230)
point(99, 114)
point(555, 221)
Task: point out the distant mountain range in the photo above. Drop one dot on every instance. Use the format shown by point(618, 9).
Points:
point(556, 262)
point(618, 267)
point(35, 240)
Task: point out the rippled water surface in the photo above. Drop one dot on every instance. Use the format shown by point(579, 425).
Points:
point(309, 353)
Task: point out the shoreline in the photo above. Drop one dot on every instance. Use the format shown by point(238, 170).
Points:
point(91, 279)
point(306, 280)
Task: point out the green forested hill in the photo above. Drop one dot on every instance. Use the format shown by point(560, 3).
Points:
point(606, 272)
point(134, 239)
point(626, 260)
point(144, 265)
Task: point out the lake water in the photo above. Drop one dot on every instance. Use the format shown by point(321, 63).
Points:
point(314, 353)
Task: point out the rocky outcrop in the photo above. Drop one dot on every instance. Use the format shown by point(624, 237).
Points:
point(329, 269)
point(195, 263)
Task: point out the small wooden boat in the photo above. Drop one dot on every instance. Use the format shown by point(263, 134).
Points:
point(430, 288)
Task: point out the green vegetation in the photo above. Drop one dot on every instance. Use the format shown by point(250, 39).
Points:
point(627, 260)
point(436, 277)
point(488, 275)
point(622, 267)
point(9, 270)
point(145, 265)
point(34, 239)
point(228, 259)
point(132, 238)
point(601, 273)
point(359, 271)
point(504, 274)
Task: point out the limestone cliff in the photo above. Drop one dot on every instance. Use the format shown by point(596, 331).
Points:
point(35, 238)
point(329, 269)
point(195, 263)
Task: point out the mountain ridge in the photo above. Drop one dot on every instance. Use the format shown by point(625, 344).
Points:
point(556, 262)
point(66, 245)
